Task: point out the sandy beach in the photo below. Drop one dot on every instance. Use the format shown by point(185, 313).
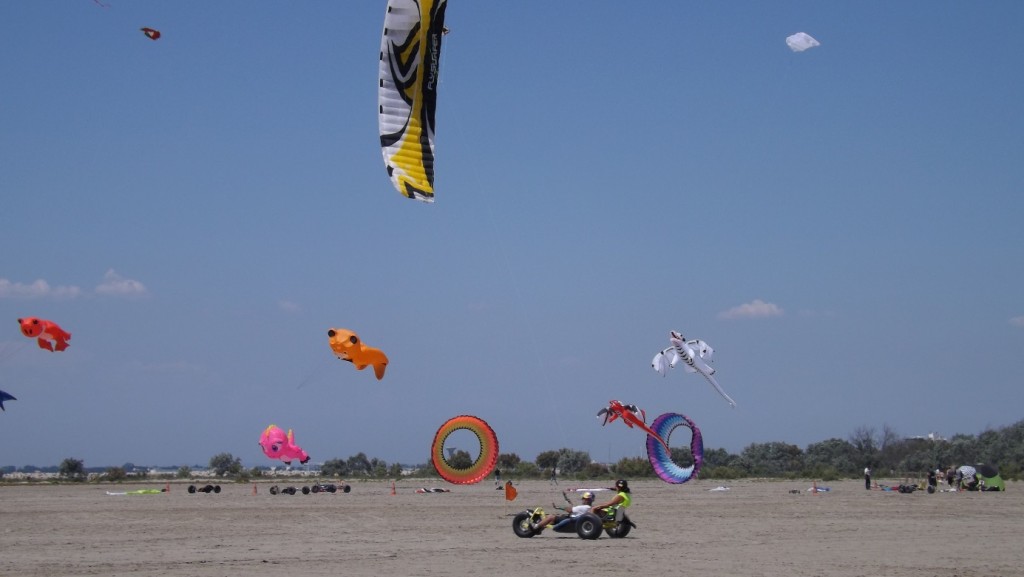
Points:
point(755, 528)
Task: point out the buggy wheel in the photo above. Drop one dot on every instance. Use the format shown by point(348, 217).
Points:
point(346, 488)
point(273, 490)
point(622, 524)
point(521, 525)
point(588, 526)
point(620, 530)
point(305, 490)
point(191, 488)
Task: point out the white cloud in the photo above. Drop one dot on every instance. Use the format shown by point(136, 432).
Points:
point(754, 309)
point(38, 289)
point(115, 285)
point(1017, 321)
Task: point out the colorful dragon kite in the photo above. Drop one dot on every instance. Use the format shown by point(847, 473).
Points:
point(631, 415)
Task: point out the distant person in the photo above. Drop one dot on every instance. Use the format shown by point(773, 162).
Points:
point(933, 481)
point(554, 476)
point(497, 476)
point(867, 478)
point(966, 482)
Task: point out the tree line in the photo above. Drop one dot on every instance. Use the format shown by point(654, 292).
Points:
point(884, 451)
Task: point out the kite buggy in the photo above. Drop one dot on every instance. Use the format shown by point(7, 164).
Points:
point(317, 488)
point(327, 488)
point(614, 521)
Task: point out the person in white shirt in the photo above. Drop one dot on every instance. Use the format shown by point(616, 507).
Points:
point(576, 511)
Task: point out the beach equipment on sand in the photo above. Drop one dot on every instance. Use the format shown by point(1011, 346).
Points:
point(990, 477)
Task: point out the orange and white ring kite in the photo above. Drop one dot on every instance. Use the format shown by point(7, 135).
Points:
point(484, 463)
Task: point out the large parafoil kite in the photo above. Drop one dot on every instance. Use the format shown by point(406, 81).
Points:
point(631, 415)
point(410, 56)
point(695, 354)
point(485, 461)
point(348, 347)
point(44, 332)
point(5, 396)
point(801, 41)
point(661, 457)
point(278, 445)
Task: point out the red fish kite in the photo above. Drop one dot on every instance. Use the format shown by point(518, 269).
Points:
point(151, 33)
point(45, 331)
point(348, 347)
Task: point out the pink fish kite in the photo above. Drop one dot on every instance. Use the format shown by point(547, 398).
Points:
point(277, 445)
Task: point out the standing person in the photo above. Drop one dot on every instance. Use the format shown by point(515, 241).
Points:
point(933, 481)
point(554, 476)
point(497, 477)
point(867, 478)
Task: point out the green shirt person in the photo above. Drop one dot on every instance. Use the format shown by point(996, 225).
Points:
point(621, 499)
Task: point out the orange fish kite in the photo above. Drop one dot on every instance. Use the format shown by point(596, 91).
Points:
point(348, 347)
point(45, 331)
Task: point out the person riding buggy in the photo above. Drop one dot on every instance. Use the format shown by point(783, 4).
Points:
point(588, 520)
point(564, 518)
point(621, 500)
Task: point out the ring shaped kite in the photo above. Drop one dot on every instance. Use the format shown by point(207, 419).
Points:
point(661, 459)
point(484, 463)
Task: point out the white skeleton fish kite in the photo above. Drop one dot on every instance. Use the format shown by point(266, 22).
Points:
point(696, 354)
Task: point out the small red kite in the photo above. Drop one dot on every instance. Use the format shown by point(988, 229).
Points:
point(151, 33)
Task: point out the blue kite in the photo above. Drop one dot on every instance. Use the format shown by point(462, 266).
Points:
point(5, 396)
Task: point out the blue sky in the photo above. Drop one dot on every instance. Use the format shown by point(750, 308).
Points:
point(843, 225)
